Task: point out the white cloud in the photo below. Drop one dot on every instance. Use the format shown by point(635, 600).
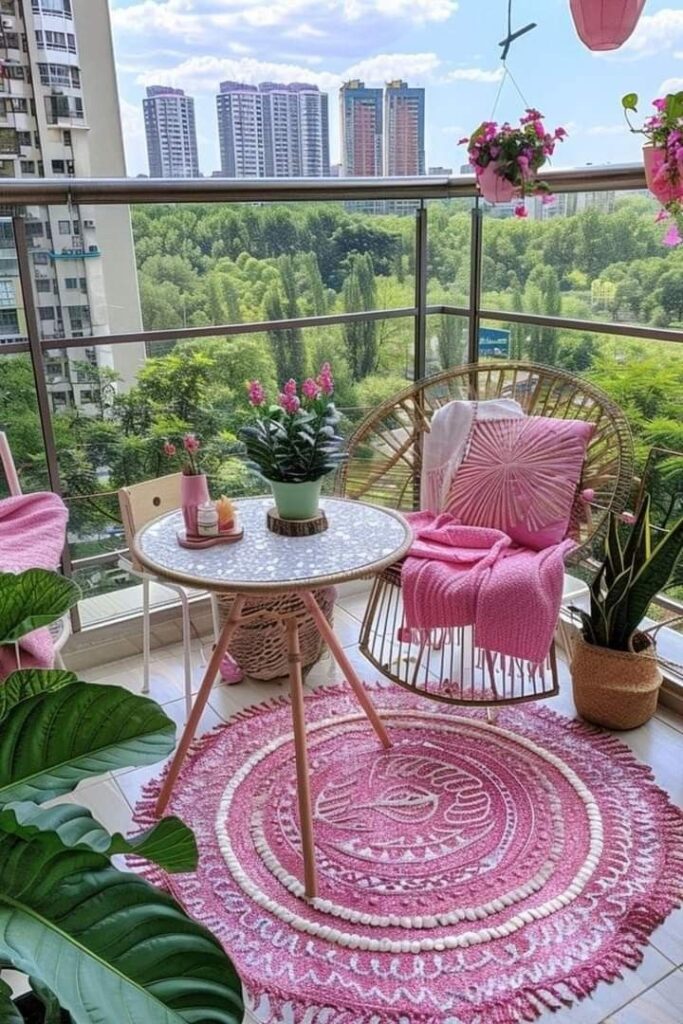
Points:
point(606, 129)
point(203, 74)
point(133, 127)
point(474, 75)
point(198, 20)
point(670, 85)
point(654, 34)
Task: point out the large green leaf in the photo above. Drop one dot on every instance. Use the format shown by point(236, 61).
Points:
point(111, 947)
point(169, 843)
point(31, 599)
point(53, 1011)
point(30, 682)
point(51, 742)
point(654, 575)
point(8, 1011)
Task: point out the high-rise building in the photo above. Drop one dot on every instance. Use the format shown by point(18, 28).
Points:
point(273, 131)
point(314, 130)
point(60, 118)
point(441, 172)
point(240, 130)
point(404, 130)
point(360, 115)
point(171, 133)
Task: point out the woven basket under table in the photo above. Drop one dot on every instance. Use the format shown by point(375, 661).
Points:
point(260, 647)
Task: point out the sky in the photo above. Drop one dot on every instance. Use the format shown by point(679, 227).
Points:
point(447, 46)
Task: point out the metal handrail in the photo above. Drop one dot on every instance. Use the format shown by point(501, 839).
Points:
point(115, 191)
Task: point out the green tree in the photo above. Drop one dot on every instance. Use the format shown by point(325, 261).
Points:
point(359, 293)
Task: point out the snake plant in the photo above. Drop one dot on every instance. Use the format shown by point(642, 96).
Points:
point(632, 573)
point(99, 943)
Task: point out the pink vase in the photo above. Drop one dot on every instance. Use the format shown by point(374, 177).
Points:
point(194, 492)
point(664, 190)
point(494, 186)
point(605, 24)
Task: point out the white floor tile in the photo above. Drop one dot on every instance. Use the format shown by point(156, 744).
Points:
point(661, 1004)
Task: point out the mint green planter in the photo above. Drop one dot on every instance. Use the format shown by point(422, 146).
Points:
point(297, 501)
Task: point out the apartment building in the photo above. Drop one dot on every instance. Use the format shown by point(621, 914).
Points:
point(361, 121)
point(404, 130)
point(171, 133)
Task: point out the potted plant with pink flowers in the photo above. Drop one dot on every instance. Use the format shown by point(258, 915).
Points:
point(194, 489)
point(294, 442)
point(507, 159)
point(663, 156)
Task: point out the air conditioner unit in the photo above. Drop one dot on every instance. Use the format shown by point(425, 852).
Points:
point(88, 223)
point(7, 23)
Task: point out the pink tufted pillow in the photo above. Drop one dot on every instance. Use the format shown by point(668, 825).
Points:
point(521, 476)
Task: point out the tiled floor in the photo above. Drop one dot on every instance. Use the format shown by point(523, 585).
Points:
point(653, 994)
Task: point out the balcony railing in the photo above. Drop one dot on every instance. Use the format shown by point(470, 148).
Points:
point(361, 197)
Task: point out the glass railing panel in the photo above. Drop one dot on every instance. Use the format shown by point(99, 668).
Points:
point(449, 251)
point(588, 255)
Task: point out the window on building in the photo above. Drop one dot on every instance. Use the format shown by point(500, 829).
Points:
point(9, 321)
point(71, 282)
point(15, 71)
point(43, 284)
point(46, 312)
point(24, 138)
point(9, 142)
point(6, 168)
point(28, 166)
point(59, 75)
point(66, 138)
point(40, 259)
point(18, 104)
point(64, 226)
point(7, 296)
point(10, 40)
point(83, 284)
point(58, 167)
point(52, 7)
point(35, 229)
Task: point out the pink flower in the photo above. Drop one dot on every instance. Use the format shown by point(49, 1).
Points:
point(191, 444)
point(290, 403)
point(659, 104)
point(169, 449)
point(255, 393)
point(325, 380)
point(672, 237)
point(560, 133)
point(521, 210)
point(309, 388)
point(290, 387)
point(547, 198)
point(588, 495)
point(463, 140)
point(662, 215)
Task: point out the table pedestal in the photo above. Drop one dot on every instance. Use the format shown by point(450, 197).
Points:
point(290, 623)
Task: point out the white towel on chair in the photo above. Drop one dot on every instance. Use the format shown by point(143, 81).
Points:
point(445, 445)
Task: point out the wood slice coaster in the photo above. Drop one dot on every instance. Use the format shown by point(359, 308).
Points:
point(296, 527)
point(229, 537)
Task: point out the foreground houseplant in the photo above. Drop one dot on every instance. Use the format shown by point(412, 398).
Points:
point(294, 443)
point(507, 159)
point(663, 156)
point(615, 675)
point(103, 944)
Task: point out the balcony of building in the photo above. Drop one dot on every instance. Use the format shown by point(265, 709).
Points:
point(391, 281)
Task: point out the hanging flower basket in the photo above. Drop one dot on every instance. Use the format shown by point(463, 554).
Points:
point(605, 24)
point(507, 159)
point(663, 157)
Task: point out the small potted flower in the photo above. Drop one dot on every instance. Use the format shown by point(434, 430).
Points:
point(507, 160)
point(194, 489)
point(294, 443)
point(663, 156)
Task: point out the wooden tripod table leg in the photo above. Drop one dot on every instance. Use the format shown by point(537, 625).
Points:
point(231, 624)
point(300, 747)
point(345, 665)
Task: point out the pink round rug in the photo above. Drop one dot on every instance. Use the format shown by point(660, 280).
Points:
point(473, 874)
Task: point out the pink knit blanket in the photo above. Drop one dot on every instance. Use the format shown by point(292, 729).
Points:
point(458, 575)
point(32, 535)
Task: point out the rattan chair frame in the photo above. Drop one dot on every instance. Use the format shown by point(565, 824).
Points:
point(384, 466)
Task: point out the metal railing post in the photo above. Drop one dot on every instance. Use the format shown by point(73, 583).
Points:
point(476, 237)
point(38, 366)
point(421, 257)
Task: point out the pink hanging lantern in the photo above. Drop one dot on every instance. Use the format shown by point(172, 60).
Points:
point(605, 24)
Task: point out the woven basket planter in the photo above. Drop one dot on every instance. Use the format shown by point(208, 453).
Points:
point(616, 689)
point(260, 647)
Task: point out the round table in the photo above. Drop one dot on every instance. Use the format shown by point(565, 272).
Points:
point(361, 540)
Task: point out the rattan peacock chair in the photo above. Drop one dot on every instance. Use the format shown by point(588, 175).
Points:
point(384, 466)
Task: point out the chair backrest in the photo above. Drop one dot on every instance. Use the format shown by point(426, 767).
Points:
point(9, 470)
point(142, 502)
point(385, 451)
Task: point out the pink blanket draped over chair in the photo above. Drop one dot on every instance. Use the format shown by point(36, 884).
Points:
point(457, 575)
point(32, 536)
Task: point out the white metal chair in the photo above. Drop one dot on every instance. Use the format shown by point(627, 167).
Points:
point(60, 631)
point(139, 504)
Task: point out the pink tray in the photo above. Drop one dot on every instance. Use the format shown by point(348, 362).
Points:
point(209, 542)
